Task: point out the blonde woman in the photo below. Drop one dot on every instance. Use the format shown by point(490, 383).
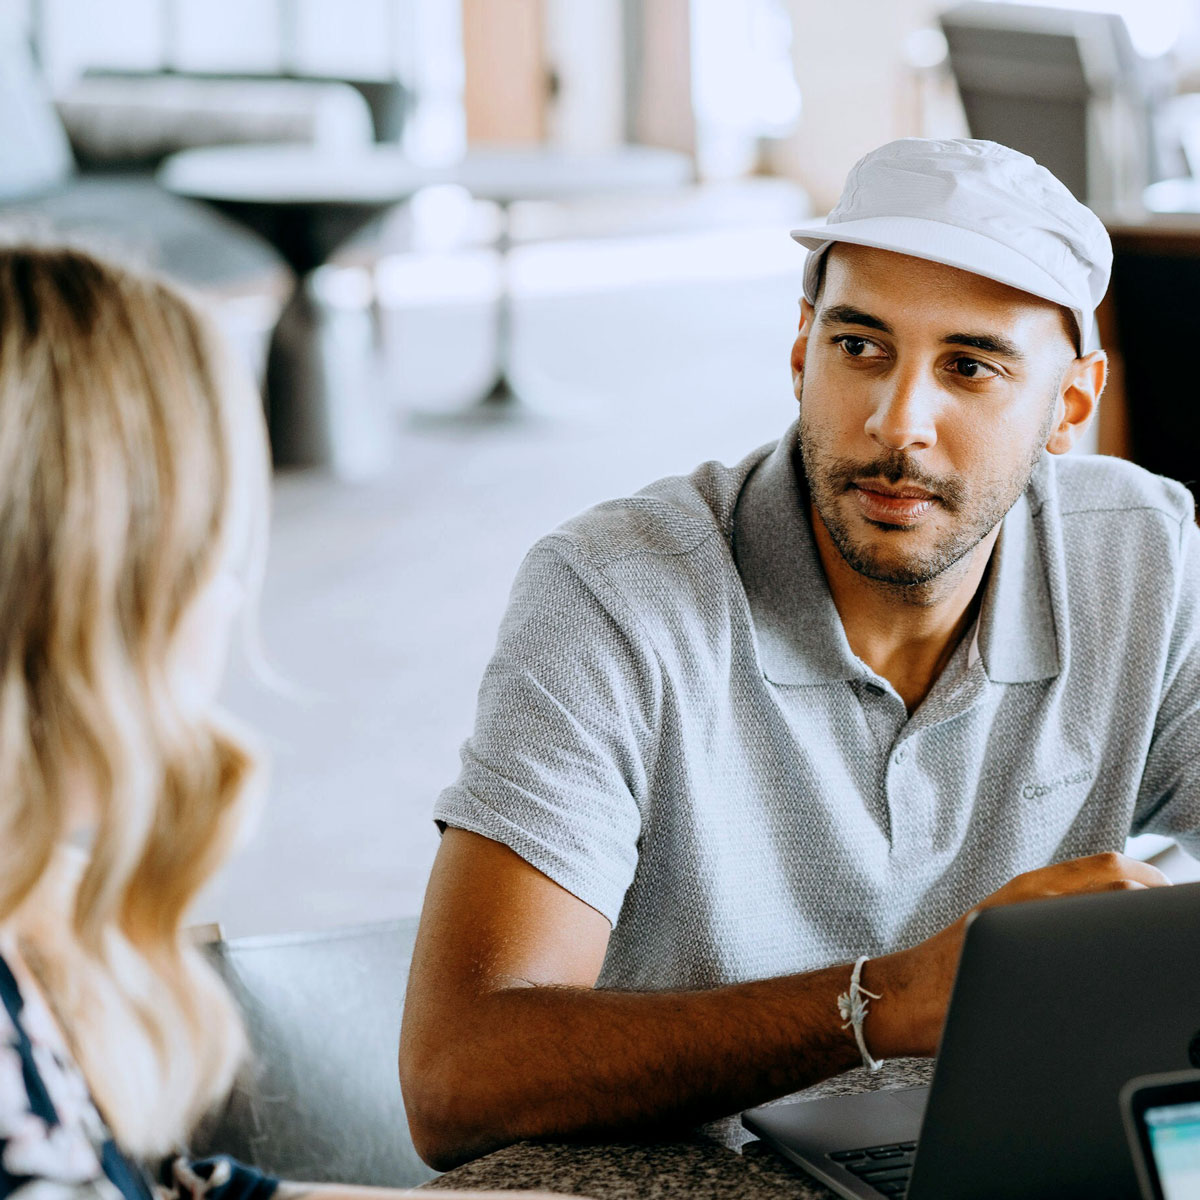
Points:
point(133, 500)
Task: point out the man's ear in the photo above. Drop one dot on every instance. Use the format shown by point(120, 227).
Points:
point(800, 346)
point(1078, 396)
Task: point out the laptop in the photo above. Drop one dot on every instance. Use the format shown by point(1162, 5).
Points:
point(1056, 1005)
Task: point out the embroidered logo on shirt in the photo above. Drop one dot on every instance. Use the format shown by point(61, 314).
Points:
point(1037, 791)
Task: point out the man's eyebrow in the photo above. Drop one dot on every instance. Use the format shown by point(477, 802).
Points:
point(847, 314)
point(989, 343)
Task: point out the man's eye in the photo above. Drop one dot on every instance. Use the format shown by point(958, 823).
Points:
point(858, 347)
point(972, 368)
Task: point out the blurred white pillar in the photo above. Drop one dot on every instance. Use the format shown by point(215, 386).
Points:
point(659, 64)
point(431, 63)
point(584, 46)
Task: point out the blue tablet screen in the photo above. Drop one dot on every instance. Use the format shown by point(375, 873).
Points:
point(1175, 1140)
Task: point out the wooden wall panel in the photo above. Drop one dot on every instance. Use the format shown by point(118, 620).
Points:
point(661, 109)
point(506, 77)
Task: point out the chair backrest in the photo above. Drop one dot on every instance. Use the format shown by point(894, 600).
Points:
point(320, 1100)
point(1062, 86)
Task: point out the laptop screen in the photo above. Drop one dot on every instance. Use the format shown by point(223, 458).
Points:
point(1174, 1131)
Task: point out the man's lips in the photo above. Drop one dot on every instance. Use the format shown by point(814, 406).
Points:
point(892, 504)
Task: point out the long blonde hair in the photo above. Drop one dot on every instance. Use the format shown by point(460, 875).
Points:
point(132, 470)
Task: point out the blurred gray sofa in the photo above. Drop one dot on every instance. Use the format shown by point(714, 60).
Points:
point(81, 169)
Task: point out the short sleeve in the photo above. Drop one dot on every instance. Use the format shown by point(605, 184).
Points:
point(1169, 797)
point(560, 760)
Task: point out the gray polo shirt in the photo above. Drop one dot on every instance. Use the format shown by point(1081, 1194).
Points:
point(675, 729)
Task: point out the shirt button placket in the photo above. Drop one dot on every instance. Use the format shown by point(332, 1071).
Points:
point(909, 817)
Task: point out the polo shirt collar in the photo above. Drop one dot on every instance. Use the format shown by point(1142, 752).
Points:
point(797, 629)
point(796, 625)
point(1018, 638)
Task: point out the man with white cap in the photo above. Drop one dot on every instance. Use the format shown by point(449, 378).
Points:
point(754, 741)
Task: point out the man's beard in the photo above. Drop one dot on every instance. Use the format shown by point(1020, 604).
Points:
point(829, 478)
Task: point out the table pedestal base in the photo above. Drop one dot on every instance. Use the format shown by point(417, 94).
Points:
point(325, 407)
point(501, 399)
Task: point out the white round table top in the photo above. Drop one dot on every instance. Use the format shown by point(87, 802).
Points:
point(288, 174)
point(535, 173)
point(283, 174)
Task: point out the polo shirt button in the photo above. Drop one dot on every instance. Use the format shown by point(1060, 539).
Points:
point(874, 689)
point(901, 754)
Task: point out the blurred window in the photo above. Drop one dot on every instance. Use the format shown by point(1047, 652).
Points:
point(356, 39)
point(743, 81)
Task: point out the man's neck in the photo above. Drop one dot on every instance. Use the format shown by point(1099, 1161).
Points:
point(907, 635)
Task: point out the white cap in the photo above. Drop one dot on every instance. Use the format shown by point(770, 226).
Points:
point(978, 206)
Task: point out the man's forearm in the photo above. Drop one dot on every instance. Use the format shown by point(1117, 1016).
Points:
point(537, 1062)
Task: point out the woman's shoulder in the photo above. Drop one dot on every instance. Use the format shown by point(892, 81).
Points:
point(50, 1131)
point(52, 1134)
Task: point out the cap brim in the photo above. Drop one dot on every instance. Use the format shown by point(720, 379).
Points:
point(942, 243)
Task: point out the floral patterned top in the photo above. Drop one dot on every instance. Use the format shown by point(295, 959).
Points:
point(53, 1143)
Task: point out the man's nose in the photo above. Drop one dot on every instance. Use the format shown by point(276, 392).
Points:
point(903, 417)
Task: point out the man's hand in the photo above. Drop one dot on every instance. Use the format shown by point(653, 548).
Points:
point(917, 982)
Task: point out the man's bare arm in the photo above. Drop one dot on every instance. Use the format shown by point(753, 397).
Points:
point(506, 1038)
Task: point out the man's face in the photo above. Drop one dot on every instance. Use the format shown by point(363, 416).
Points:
point(926, 397)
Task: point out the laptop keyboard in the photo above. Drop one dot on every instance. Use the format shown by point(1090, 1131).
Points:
point(885, 1168)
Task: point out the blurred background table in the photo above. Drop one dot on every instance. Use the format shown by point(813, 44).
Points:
point(510, 176)
point(323, 409)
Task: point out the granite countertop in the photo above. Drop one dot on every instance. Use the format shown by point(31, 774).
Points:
point(701, 1166)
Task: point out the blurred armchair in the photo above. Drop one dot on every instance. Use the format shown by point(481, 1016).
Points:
point(320, 1100)
point(1064, 86)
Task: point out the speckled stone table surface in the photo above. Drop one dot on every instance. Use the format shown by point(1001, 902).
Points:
point(702, 1166)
